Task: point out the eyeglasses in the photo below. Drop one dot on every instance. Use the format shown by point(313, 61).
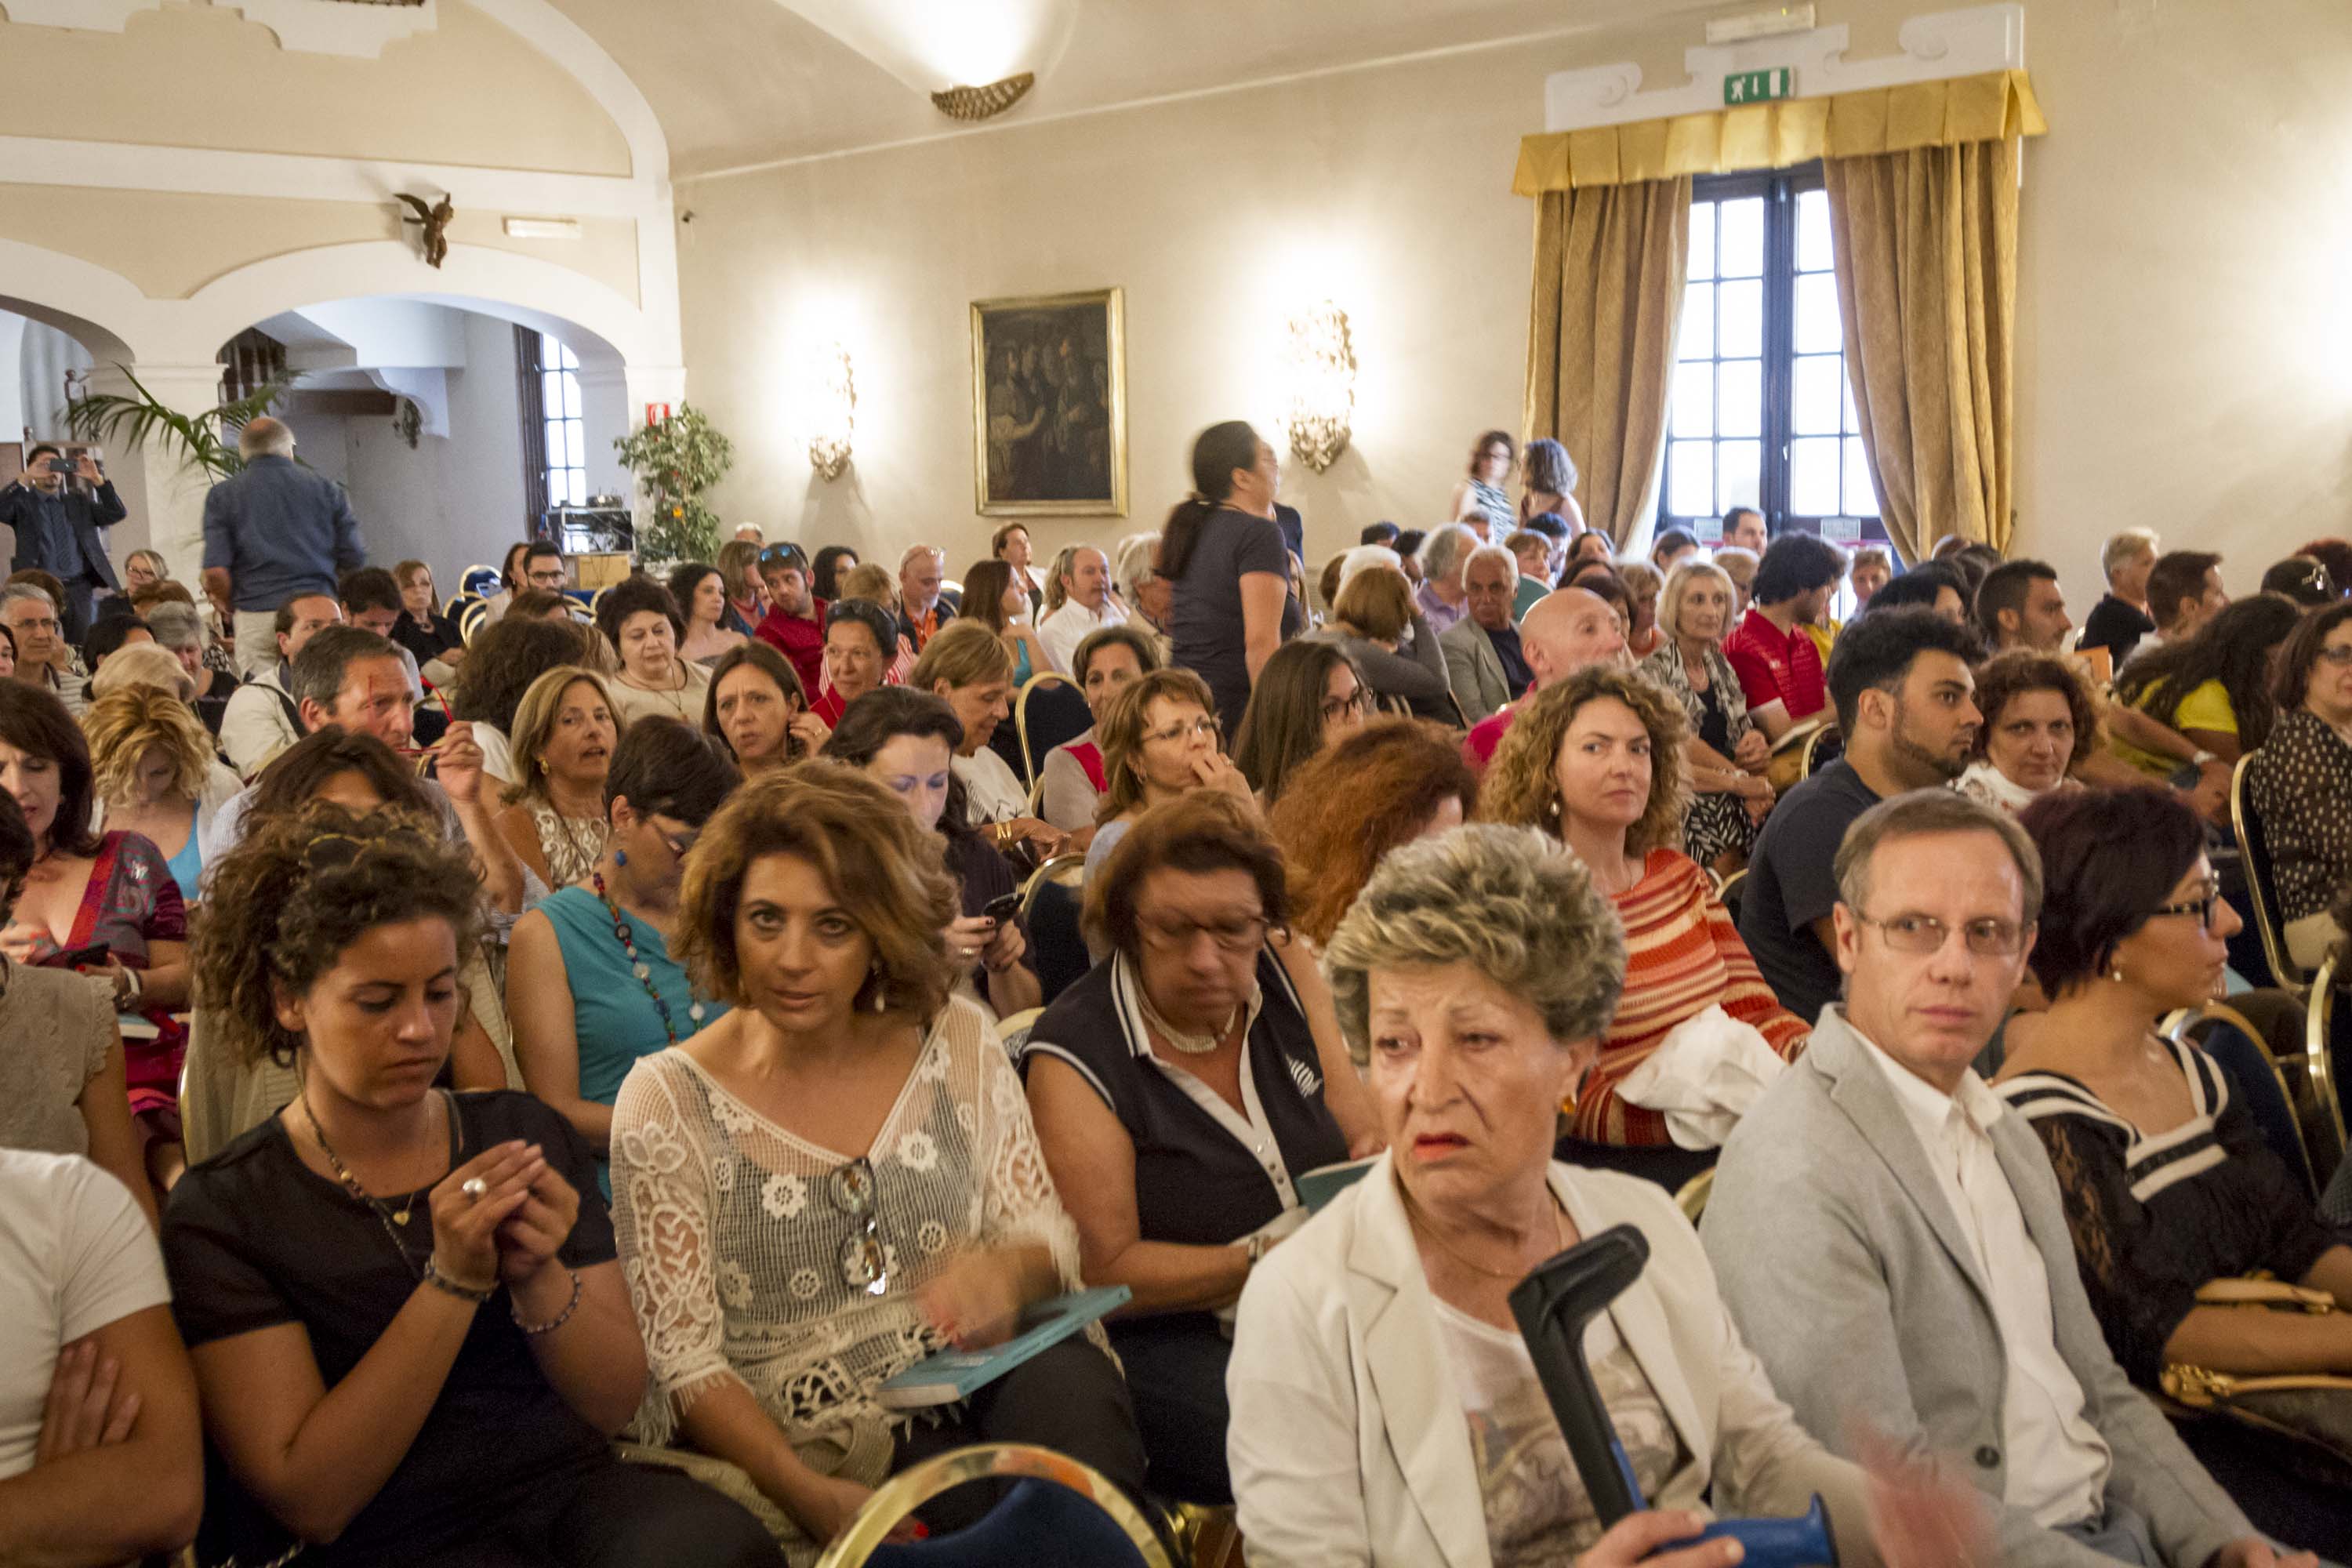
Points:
point(2338, 656)
point(1203, 725)
point(1923, 934)
point(1232, 936)
point(864, 1261)
point(2202, 906)
point(781, 555)
point(1349, 705)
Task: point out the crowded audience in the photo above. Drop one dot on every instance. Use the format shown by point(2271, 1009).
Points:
point(734, 1053)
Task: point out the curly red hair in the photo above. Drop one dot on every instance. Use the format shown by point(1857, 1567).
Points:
point(1345, 808)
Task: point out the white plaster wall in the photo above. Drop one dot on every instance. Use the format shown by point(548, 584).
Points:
point(2185, 316)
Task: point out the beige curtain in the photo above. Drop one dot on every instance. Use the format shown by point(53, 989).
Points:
point(1608, 294)
point(1927, 253)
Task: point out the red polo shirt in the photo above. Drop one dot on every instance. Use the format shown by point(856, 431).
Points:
point(800, 639)
point(1774, 666)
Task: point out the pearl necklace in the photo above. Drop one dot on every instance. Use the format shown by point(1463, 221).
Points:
point(1185, 1041)
point(638, 966)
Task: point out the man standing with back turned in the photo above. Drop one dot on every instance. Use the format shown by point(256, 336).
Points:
point(272, 532)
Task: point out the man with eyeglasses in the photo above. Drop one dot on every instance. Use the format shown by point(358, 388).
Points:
point(1907, 712)
point(1891, 1241)
point(32, 619)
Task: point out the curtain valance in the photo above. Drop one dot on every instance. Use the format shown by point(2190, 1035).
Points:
point(1993, 107)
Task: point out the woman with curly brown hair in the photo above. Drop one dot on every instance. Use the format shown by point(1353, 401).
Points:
point(2040, 724)
point(1597, 760)
point(1387, 784)
point(839, 1177)
point(330, 1268)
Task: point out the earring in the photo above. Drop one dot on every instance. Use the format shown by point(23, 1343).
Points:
point(2117, 974)
point(620, 857)
point(881, 988)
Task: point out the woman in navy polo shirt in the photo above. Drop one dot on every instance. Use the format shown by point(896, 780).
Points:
point(1178, 1093)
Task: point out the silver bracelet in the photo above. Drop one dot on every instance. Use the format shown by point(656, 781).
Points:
point(554, 1322)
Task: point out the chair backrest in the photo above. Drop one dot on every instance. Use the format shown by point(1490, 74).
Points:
point(476, 617)
point(1058, 1499)
point(1051, 906)
point(2320, 1104)
point(2261, 882)
point(479, 581)
point(2261, 1087)
point(1734, 886)
point(1822, 747)
point(1049, 711)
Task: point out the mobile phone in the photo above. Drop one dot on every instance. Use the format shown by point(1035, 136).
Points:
point(60, 465)
point(1001, 908)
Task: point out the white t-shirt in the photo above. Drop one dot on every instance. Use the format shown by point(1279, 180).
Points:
point(74, 1255)
point(993, 791)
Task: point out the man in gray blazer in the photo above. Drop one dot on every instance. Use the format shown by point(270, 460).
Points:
point(1891, 1239)
point(1482, 649)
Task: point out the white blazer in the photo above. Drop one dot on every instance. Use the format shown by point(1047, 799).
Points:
point(1349, 1445)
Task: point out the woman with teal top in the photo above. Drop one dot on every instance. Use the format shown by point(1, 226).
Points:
point(591, 986)
point(997, 599)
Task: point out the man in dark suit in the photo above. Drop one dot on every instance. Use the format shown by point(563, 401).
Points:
point(58, 529)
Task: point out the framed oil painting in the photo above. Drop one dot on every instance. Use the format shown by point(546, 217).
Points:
point(1049, 405)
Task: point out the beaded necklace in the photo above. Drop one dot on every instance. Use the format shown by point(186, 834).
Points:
point(627, 938)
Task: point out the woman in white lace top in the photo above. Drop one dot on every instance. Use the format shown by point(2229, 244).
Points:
point(839, 1177)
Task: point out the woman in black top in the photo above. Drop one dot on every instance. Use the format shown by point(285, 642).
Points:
point(411, 1338)
point(423, 629)
point(1232, 605)
point(2167, 1180)
point(1178, 1090)
point(905, 741)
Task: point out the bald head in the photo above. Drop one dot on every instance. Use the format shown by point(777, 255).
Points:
point(265, 437)
point(1566, 631)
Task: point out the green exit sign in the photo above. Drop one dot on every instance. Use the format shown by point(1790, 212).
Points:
point(1759, 86)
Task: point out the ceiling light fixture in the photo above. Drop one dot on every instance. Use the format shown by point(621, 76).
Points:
point(984, 102)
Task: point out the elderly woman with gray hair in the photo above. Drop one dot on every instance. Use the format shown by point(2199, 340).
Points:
point(1385, 1410)
point(180, 630)
point(1442, 598)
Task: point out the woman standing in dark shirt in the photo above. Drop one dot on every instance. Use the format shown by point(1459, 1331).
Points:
point(1232, 605)
point(409, 1331)
point(2167, 1182)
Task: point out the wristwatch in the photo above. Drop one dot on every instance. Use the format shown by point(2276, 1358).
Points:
point(2202, 758)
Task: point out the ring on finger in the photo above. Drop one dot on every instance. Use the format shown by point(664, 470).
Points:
point(474, 1187)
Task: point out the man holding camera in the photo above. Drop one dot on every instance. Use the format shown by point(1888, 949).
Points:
point(57, 528)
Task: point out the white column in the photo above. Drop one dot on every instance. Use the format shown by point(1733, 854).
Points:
point(165, 492)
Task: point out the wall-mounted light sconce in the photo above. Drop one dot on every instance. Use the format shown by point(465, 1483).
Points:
point(1322, 385)
point(984, 102)
point(832, 396)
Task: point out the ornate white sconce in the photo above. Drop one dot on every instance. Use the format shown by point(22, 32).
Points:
point(832, 398)
point(1322, 385)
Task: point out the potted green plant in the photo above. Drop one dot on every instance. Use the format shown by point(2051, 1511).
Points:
point(206, 440)
point(676, 459)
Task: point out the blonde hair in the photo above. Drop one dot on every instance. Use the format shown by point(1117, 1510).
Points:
point(1678, 584)
point(872, 581)
point(121, 727)
point(1515, 905)
point(148, 665)
point(534, 722)
point(1522, 785)
point(1377, 602)
point(1120, 731)
point(961, 653)
point(886, 872)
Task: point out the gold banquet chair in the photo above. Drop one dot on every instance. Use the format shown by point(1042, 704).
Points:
point(910, 1490)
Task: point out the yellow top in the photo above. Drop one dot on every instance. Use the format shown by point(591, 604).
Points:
point(2207, 707)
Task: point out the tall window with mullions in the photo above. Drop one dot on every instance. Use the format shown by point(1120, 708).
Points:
point(1762, 413)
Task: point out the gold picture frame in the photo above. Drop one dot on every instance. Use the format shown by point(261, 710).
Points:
point(1049, 405)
